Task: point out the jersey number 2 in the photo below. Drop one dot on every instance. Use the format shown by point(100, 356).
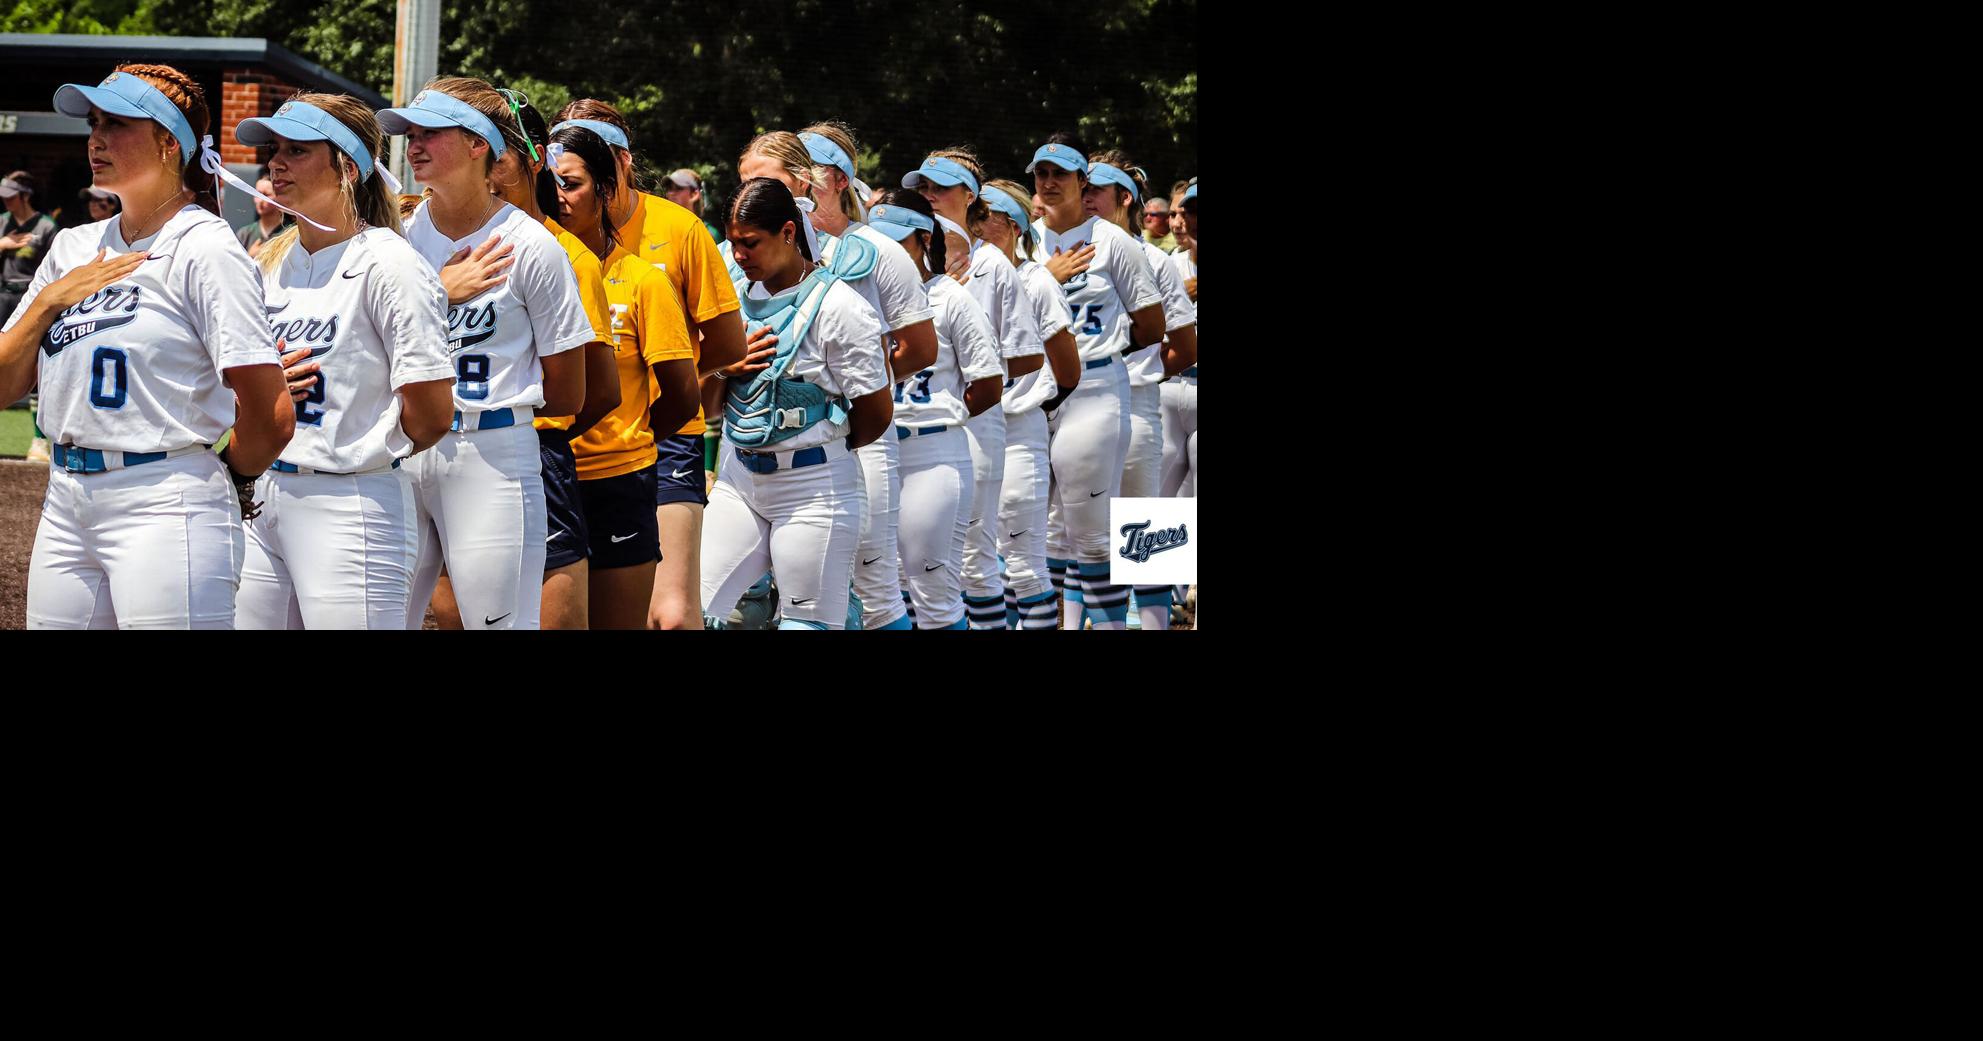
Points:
point(315, 396)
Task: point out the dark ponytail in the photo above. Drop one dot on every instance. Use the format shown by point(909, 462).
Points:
point(933, 251)
point(766, 204)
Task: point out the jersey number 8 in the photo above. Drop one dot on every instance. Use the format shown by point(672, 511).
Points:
point(472, 373)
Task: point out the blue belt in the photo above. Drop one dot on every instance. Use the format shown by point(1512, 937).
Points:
point(902, 432)
point(768, 464)
point(1099, 362)
point(1192, 371)
point(291, 468)
point(495, 419)
point(93, 461)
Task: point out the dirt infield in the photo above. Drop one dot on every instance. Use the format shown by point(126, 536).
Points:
point(21, 487)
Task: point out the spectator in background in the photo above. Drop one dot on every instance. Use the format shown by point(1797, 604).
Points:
point(1157, 225)
point(684, 189)
point(1179, 231)
point(268, 223)
point(99, 205)
point(24, 239)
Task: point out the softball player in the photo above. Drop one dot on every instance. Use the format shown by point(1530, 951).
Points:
point(141, 525)
point(950, 180)
point(1114, 193)
point(1022, 508)
point(334, 546)
point(654, 362)
point(1116, 307)
point(479, 491)
point(795, 506)
point(897, 294)
point(936, 460)
point(674, 240)
point(1180, 395)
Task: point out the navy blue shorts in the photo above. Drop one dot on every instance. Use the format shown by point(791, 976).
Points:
point(678, 473)
point(568, 538)
point(621, 512)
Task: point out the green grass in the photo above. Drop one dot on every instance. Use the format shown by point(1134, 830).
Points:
point(16, 430)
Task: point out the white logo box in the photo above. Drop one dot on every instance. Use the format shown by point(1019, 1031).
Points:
point(1163, 533)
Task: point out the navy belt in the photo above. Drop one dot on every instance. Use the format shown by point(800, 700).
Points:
point(494, 419)
point(93, 461)
point(1098, 362)
point(768, 464)
point(1192, 371)
point(291, 468)
point(902, 432)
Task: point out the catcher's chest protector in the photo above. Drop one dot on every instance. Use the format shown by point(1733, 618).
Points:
point(769, 407)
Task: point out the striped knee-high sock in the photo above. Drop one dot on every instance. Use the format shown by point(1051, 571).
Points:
point(1153, 606)
point(1067, 583)
point(1011, 608)
point(1040, 612)
point(1107, 605)
point(911, 605)
point(985, 612)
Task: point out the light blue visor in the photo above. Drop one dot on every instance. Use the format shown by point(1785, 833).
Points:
point(1103, 173)
point(606, 131)
point(945, 172)
point(1002, 201)
point(824, 152)
point(1190, 194)
point(302, 121)
point(1060, 155)
point(899, 222)
point(433, 109)
point(123, 94)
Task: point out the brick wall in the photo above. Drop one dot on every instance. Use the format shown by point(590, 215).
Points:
point(246, 93)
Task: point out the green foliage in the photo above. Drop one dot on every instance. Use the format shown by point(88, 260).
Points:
point(697, 80)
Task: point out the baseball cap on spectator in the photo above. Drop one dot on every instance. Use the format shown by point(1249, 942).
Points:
point(20, 182)
point(97, 193)
point(684, 178)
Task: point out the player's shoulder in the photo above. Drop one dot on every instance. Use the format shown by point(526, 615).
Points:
point(383, 250)
point(196, 226)
point(1105, 232)
point(669, 218)
point(844, 303)
point(518, 227)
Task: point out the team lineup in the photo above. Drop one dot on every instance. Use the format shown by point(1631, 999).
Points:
point(489, 400)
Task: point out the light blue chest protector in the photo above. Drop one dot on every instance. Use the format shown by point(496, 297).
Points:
point(769, 407)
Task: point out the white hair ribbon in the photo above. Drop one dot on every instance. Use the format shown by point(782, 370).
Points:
point(210, 162)
point(556, 151)
point(951, 225)
point(386, 176)
point(812, 239)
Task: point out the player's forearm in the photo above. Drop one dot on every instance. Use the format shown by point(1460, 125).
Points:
point(1065, 356)
point(1146, 327)
point(870, 418)
point(564, 384)
point(602, 389)
point(19, 356)
point(915, 348)
point(713, 390)
point(265, 420)
point(426, 411)
point(983, 394)
point(680, 397)
point(722, 342)
point(1180, 350)
point(1017, 367)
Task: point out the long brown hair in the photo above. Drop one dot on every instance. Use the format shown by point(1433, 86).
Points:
point(185, 94)
point(1119, 159)
point(975, 213)
point(841, 134)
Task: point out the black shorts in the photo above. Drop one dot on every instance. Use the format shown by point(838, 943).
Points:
point(567, 540)
point(678, 473)
point(621, 512)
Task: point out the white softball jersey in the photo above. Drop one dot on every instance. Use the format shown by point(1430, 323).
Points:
point(1146, 367)
point(966, 351)
point(1050, 312)
point(894, 290)
point(1117, 281)
point(841, 354)
point(136, 367)
point(496, 339)
point(995, 286)
point(374, 317)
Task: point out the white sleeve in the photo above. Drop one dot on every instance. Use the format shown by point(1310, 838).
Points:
point(1051, 306)
point(43, 275)
point(850, 335)
point(904, 301)
point(1022, 327)
point(409, 311)
point(1178, 311)
point(550, 295)
point(223, 290)
point(976, 347)
point(1130, 271)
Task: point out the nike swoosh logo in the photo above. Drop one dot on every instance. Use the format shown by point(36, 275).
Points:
point(1093, 494)
point(656, 245)
point(486, 620)
point(457, 346)
point(623, 538)
point(931, 567)
point(552, 537)
point(865, 563)
point(679, 474)
point(1016, 534)
point(802, 603)
point(353, 274)
point(277, 309)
